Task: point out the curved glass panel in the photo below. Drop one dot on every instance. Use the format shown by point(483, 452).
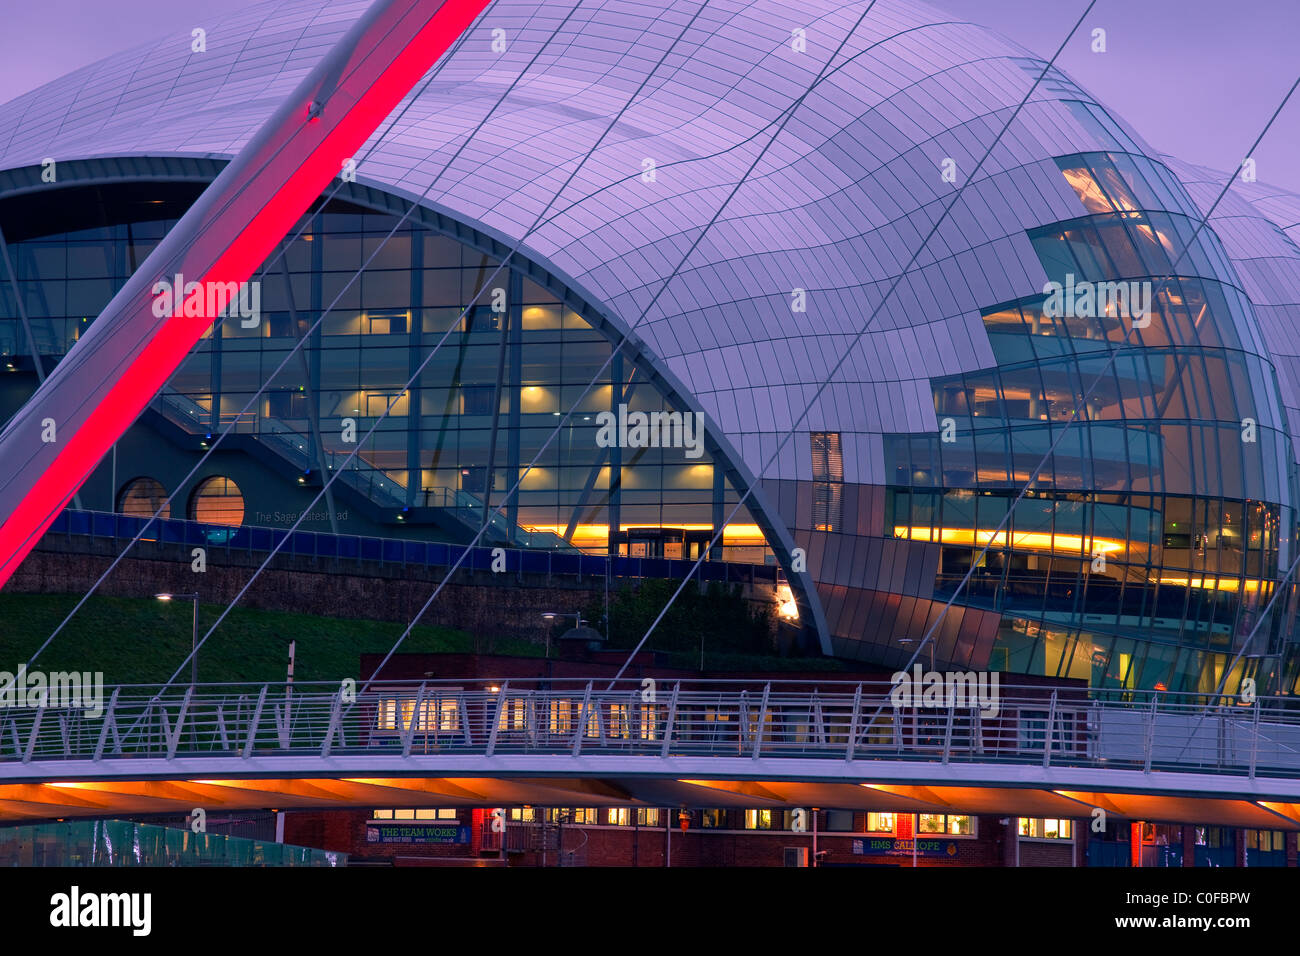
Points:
point(1152, 536)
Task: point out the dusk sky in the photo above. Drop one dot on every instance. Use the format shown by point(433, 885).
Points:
point(1198, 78)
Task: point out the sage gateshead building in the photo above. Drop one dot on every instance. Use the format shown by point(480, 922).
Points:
point(716, 208)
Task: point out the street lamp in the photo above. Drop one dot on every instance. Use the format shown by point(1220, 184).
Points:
point(194, 634)
point(550, 616)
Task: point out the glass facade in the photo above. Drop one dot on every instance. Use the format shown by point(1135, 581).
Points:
point(457, 440)
point(1146, 546)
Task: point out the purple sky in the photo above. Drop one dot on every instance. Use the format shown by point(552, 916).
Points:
point(1198, 78)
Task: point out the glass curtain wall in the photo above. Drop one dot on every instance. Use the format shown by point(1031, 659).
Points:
point(1146, 546)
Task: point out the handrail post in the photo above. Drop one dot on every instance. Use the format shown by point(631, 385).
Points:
point(109, 721)
point(584, 716)
point(336, 712)
point(496, 720)
point(1150, 734)
point(762, 714)
point(853, 724)
point(947, 734)
point(670, 724)
point(36, 730)
point(252, 726)
point(1050, 729)
point(174, 734)
point(408, 732)
point(1254, 743)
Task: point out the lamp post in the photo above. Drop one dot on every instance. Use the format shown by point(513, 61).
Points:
point(912, 640)
point(194, 634)
point(550, 616)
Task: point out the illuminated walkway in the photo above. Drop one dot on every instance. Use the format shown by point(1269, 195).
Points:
point(1042, 751)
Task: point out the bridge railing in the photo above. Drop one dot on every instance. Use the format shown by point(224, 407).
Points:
point(1065, 725)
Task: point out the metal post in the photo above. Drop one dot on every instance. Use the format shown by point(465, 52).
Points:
point(762, 713)
point(814, 853)
point(947, 734)
point(194, 647)
point(584, 716)
point(496, 719)
point(671, 722)
point(1051, 726)
point(1254, 740)
point(1150, 734)
point(853, 723)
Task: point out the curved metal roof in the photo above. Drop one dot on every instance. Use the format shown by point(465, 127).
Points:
point(834, 206)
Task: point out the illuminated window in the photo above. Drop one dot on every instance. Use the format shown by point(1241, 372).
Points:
point(617, 816)
point(513, 714)
point(142, 497)
point(436, 814)
point(523, 814)
point(946, 823)
point(647, 816)
point(758, 819)
point(435, 715)
point(618, 720)
point(713, 819)
point(1268, 841)
point(385, 403)
point(387, 323)
point(880, 823)
point(567, 815)
point(1038, 828)
point(448, 715)
point(648, 720)
point(561, 719)
point(217, 500)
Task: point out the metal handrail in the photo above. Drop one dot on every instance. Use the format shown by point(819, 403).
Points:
point(836, 720)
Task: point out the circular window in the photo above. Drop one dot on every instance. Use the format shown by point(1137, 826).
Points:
point(142, 497)
point(217, 500)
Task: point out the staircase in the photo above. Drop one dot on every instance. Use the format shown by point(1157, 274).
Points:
point(371, 484)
